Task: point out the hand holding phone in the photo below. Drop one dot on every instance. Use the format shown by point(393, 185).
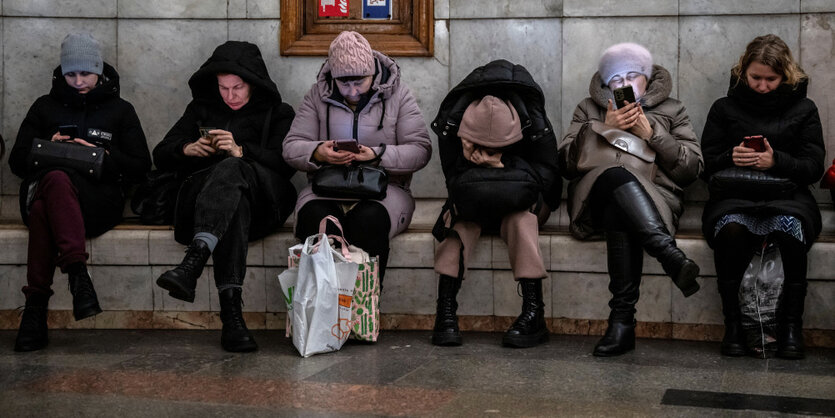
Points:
point(350, 145)
point(754, 142)
point(69, 130)
point(624, 94)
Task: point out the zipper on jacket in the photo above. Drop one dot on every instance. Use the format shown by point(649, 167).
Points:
point(356, 125)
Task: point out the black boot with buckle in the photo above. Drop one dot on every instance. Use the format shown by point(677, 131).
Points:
point(640, 210)
point(32, 334)
point(181, 281)
point(446, 330)
point(624, 256)
point(235, 336)
point(85, 303)
point(529, 329)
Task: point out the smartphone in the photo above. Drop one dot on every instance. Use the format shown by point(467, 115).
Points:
point(69, 130)
point(204, 132)
point(350, 145)
point(755, 142)
point(622, 94)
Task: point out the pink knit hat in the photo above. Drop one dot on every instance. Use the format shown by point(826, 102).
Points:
point(491, 122)
point(350, 55)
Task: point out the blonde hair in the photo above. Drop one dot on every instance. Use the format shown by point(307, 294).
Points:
point(770, 50)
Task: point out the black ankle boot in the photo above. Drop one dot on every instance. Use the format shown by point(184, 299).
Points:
point(181, 281)
point(733, 343)
point(640, 210)
point(32, 334)
point(618, 339)
point(529, 329)
point(234, 337)
point(446, 330)
point(790, 329)
point(85, 303)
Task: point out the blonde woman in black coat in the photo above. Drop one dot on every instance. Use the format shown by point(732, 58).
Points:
point(766, 97)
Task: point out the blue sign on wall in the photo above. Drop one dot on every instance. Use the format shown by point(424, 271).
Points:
point(376, 9)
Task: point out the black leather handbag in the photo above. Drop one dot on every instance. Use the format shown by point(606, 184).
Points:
point(743, 183)
point(51, 154)
point(155, 198)
point(353, 181)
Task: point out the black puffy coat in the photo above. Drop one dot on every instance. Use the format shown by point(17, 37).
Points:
point(538, 146)
point(102, 201)
point(246, 124)
point(790, 122)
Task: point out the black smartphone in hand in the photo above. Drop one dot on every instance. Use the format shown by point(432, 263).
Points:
point(69, 130)
point(622, 94)
point(350, 145)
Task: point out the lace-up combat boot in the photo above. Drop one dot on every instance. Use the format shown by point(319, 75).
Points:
point(529, 329)
point(181, 281)
point(446, 330)
point(235, 336)
point(85, 303)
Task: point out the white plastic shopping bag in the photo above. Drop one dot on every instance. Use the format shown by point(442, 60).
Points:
point(321, 306)
point(759, 295)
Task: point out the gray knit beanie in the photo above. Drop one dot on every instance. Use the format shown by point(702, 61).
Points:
point(624, 58)
point(81, 52)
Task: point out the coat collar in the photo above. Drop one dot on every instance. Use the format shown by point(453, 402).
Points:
point(659, 88)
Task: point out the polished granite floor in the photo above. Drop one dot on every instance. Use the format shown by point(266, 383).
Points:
point(185, 373)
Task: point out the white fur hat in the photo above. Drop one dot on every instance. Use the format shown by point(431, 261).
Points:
point(624, 58)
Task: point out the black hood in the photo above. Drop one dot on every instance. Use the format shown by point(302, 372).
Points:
point(107, 89)
point(242, 59)
point(499, 78)
point(777, 100)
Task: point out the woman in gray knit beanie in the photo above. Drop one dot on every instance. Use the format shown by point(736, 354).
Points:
point(63, 206)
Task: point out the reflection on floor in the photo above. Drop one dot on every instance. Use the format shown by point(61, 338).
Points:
point(186, 373)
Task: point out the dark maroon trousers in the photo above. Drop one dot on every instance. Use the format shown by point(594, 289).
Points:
point(56, 232)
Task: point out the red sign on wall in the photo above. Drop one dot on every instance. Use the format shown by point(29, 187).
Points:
point(333, 8)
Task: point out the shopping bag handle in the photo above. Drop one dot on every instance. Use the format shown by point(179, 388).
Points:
point(315, 247)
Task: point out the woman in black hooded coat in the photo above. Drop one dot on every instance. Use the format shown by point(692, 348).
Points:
point(238, 186)
point(767, 97)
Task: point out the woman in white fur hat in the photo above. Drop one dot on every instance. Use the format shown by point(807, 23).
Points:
point(636, 211)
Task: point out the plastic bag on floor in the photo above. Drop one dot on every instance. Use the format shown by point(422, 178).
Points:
point(321, 306)
point(759, 295)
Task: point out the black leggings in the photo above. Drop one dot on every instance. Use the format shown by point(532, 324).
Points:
point(366, 225)
point(735, 245)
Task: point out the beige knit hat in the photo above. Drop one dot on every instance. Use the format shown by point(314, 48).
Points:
point(350, 55)
point(490, 122)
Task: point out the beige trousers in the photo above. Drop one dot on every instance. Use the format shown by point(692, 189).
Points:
point(519, 230)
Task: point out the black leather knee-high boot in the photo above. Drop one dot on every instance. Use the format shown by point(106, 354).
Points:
point(446, 330)
point(624, 259)
point(640, 210)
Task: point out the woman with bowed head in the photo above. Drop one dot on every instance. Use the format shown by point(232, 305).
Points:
point(358, 95)
point(63, 206)
point(636, 198)
point(228, 143)
point(765, 123)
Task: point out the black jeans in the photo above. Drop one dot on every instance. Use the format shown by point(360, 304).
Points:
point(366, 225)
point(224, 208)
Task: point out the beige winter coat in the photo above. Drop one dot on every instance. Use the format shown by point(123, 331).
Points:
point(678, 155)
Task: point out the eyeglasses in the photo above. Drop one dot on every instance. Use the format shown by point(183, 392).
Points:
point(618, 81)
